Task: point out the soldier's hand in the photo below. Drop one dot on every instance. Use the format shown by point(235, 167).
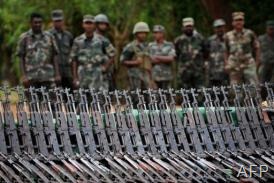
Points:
point(57, 79)
point(155, 60)
point(103, 68)
point(139, 61)
point(26, 81)
point(75, 83)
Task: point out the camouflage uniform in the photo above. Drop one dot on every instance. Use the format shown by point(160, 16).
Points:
point(138, 76)
point(90, 55)
point(190, 61)
point(217, 75)
point(38, 51)
point(162, 73)
point(64, 41)
point(241, 63)
point(267, 58)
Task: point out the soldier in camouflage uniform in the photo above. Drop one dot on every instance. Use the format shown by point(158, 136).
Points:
point(190, 51)
point(89, 56)
point(267, 53)
point(241, 43)
point(102, 26)
point(135, 56)
point(216, 71)
point(38, 53)
point(162, 54)
point(64, 40)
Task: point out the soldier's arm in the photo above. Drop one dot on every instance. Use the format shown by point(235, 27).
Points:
point(56, 59)
point(127, 58)
point(73, 61)
point(168, 58)
point(256, 46)
point(226, 53)
point(21, 52)
point(110, 52)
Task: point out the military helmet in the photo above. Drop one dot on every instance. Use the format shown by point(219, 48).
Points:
point(101, 18)
point(140, 27)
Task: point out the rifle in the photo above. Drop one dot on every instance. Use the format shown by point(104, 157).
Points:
point(200, 123)
point(23, 123)
point(144, 124)
point(86, 128)
point(166, 122)
point(98, 123)
point(61, 122)
point(243, 123)
point(253, 117)
point(228, 119)
point(178, 128)
point(122, 126)
point(155, 122)
point(132, 125)
point(213, 125)
point(39, 144)
point(47, 118)
point(225, 126)
point(73, 125)
point(12, 141)
point(110, 125)
point(189, 122)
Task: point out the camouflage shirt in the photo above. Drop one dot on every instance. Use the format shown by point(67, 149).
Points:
point(162, 72)
point(190, 50)
point(64, 41)
point(130, 52)
point(216, 55)
point(267, 49)
point(90, 54)
point(240, 47)
point(38, 52)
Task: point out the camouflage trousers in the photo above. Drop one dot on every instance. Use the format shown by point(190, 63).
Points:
point(163, 84)
point(140, 81)
point(191, 78)
point(266, 73)
point(245, 75)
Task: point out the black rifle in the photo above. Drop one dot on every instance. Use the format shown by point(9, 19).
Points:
point(213, 125)
point(24, 132)
point(39, 144)
point(155, 122)
point(166, 122)
point(98, 123)
point(253, 118)
point(227, 118)
point(12, 141)
point(73, 125)
point(189, 123)
point(200, 123)
point(144, 124)
point(178, 128)
point(86, 128)
point(132, 125)
point(243, 123)
point(222, 119)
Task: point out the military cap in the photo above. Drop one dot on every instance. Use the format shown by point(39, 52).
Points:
point(188, 21)
point(158, 28)
point(238, 15)
point(101, 18)
point(270, 23)
point(218, 22)
point(88, 18)
point(57, 15)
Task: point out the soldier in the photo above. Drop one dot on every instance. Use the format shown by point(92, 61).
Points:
point(162, 54)
point(89, 56)
point(190, 51)
point(217, 75)
point(102, 26)
point(38, 53)
point(267, 53)
point(64, 40)
point(241, 43)
point(136, 57)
